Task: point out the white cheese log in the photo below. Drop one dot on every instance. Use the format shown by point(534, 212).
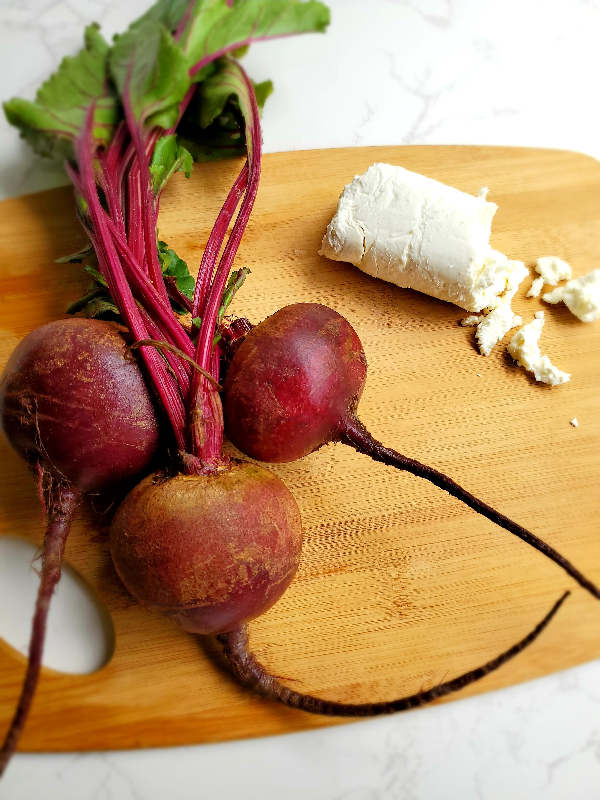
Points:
point(420, 234)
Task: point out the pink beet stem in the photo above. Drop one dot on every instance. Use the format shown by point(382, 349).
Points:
point(206, 431)
point(147, 198)
point(110, 264)
point(215, 241)
point(149, 297)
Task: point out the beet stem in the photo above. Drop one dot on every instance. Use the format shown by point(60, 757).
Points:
point(251, 673)
point(355, 434)
point(61, 508)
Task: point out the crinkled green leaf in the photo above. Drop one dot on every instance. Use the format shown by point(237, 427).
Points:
point(57, 116)
point(215, 27)
point(175, 267)
point(213, 126)
point(168, 12)
point(150, 72)
point(169, 157)
point(216, 91)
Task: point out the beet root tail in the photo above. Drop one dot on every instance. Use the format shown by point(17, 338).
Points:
point(355, 434)
point(62, 501)
point(251, 673)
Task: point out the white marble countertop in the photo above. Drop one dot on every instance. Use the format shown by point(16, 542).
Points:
point(509, 72)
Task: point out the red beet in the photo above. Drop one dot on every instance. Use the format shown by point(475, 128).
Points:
point(294, 386)
point(74, 405)
point(214, 550)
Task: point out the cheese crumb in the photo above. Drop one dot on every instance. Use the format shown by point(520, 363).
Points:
point(495, 326)
point(553, 270)
point(555, 296)
point(525, 350)
point(574, 422)
point(420, 234)
point(582, 296)
point(536, 287)
point(470, 321)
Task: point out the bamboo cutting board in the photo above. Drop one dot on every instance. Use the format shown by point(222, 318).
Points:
point(400, 587)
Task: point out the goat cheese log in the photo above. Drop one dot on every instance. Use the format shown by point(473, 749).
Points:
point(420, 234)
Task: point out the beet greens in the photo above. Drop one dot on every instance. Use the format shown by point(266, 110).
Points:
point(111, 113)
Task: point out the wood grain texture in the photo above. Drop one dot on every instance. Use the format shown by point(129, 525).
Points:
point(400, 586)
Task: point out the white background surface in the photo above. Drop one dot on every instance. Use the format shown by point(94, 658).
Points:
point(388, 72)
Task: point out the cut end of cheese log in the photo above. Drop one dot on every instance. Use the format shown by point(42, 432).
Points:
point(420, 234)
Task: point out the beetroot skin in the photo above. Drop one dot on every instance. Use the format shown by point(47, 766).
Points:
point(293, 382)
point(208, 551)
point(72, 398)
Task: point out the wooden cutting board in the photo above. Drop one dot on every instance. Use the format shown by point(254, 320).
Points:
point(400, 587)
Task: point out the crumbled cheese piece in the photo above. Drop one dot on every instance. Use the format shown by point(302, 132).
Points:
point(553, 270)
point(536, 287)
point(555, 296)
point(470, 321)
point(574, 422)
point(494, 326)
point(525, 350)
point(420, 234)
point(582, 296)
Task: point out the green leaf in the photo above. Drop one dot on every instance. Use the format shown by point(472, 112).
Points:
point(168, 12)
point(150, 72)
point(175, 267)
point(262, 91)
point(213, 126)
point(96, 275)
point(215, 148)
point(214, 26)
point(56, 118)
point(76, 258)
point(169, 157)
point(235, 282)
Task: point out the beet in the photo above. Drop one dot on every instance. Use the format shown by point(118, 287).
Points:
point(74, 405)
point(214, 550)
point(72, 399)
point(293, 386)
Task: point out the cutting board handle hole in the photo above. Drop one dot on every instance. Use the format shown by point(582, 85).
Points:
point(81, 635)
